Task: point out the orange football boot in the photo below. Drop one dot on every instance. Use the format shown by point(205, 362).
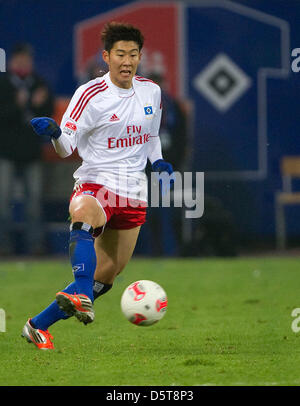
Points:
point(42, 339)
point(79, 306)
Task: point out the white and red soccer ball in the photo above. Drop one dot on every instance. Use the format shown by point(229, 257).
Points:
point(144, 303)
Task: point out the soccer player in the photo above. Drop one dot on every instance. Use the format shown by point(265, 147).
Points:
point(113, 121)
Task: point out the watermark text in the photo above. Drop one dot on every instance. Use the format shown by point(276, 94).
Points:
point(2, 60)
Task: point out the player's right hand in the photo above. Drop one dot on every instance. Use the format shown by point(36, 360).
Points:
point(46, 126)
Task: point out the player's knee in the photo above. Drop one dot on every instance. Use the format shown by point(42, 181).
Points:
point(80, 214)
point(86, 212)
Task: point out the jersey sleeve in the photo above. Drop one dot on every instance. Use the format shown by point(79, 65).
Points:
point(75, 123)
point(154, 145)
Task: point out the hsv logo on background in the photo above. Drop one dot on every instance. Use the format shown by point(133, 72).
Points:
point(222, 82)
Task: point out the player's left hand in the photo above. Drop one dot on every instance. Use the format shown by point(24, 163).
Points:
point(162, 166)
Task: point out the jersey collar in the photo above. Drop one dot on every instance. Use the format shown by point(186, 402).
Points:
point(123, 93)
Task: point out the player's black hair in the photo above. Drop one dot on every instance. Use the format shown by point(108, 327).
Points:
point(114, 31)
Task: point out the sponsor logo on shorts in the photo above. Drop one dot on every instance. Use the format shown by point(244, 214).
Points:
point(88, 192)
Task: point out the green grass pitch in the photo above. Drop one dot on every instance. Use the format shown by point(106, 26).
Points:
point(228, 323)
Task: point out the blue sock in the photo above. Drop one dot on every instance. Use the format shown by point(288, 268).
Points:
point(52, 313)
point(83, 260)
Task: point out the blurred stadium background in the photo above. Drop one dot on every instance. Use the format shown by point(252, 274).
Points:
point(231, 112)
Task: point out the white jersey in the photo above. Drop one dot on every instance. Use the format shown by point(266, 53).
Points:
point(115, 131)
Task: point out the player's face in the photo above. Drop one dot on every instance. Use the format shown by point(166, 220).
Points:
point(123, 60)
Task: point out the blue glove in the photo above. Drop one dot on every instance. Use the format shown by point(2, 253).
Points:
point(46, 126)
point(162, 166)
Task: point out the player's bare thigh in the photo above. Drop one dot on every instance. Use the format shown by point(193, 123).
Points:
point(86, 209)
point(114, 248)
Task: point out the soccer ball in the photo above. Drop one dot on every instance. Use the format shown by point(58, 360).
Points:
point(144, 303)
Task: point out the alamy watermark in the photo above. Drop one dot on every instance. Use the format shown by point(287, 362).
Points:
point(135, 189)
point(2, 321)
point(296, 62)
point(185, 192)
point(295, 323)
point(2, 60)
